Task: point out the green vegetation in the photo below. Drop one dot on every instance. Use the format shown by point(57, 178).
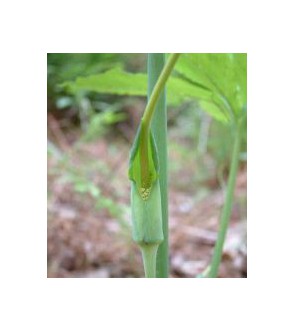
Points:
point(209, 92)
point(226, 211)
point(148, 172)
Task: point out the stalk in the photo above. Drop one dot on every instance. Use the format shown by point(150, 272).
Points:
point(156, 63)
point(148, 172)
point(227, 208)
point(149, 256)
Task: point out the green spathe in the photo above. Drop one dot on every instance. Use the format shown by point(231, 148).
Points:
point(147, 229)
point(140, 161)
point(147, 216)
point(146, 208)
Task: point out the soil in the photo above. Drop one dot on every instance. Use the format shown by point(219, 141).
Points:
point(89, 237)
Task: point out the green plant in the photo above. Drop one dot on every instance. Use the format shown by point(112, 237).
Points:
point(218, 83)
point(148, 173)
point(225, 76)
point(226, 210)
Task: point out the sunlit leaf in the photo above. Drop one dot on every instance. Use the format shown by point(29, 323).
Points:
point(225, 74)
point(218, 82)
point(119, 82)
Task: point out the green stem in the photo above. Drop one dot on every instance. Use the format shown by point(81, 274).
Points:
point(149, 257)
point(158, 76)
point(158, 87)
point(156, 63)
point(227, 208)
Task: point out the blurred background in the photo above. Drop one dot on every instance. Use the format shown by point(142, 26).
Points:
point(91, 127)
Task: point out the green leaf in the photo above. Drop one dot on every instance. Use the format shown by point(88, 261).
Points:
point(119, 82)
point(114, 81)
point(216, 81)
point(178, 90)
point(225, 74)
point(214, 111)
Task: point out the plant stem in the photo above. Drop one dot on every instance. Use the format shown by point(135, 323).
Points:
point(158, 85)
point(156, 63)
point(149, 257)
point(158, 75)
point(227, 208)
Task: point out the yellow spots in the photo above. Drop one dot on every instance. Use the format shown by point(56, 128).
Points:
point(145, 188)
point(144, 193)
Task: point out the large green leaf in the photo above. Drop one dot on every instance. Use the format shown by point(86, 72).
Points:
point(120, 82)
point(117, 81)
point(225, 74)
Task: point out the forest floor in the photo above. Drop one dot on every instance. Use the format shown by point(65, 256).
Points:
point(89, 216)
